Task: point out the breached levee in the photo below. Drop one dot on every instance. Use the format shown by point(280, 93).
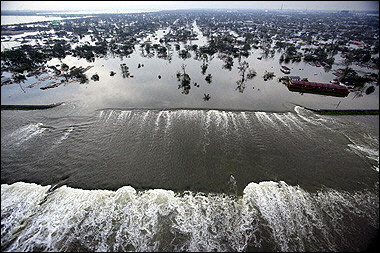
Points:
point(269, 216)
point(226, 121)
point(29, 107)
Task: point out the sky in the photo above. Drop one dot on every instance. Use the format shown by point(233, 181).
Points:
point(119, 6)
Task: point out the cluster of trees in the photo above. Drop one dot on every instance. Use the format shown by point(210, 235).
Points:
point(228, 61)
point(124, 70)
point(269, 76)
point(225, 44)
point(88, 51)
point(78, 73)
point(27, 57)
point(184, 80)
point(257, 34)
point(22, 59)
point(244, 76)
point(351, 77)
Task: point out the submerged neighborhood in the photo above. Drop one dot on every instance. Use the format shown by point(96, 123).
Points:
point(313, 37)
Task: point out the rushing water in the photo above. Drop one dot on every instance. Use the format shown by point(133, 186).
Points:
point(178, 180)
point(133, 164)
point(269, 216)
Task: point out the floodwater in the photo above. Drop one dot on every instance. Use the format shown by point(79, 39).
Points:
point(13, 20)
point(146, 90)
point(134, 164)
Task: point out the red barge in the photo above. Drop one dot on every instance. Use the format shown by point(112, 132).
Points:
point(319, 88)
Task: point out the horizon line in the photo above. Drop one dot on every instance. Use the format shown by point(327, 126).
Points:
point(204, 8)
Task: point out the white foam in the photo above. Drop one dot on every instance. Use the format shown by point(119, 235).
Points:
point(260, 117)
point(370, 153)
point(225, 118)
point(244, 116)
point(157, 219)
point(168, 116)
point(280, 117)
point(294, 213)
point(207, 120)
point(292, 118)
point(158, 119)
point(299, 111)
point(218, 118)
point(267, 118)
point(367, 146)
point(109, 115)
point(232, 117)
point(206, 127)
point(66, 134)
point(145, 116)
point(101, 114)
point(27, 132)
point(123, 115)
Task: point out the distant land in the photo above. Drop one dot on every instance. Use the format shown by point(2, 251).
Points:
point(79, 12)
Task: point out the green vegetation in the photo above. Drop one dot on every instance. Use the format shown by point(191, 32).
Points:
point(184, 79)
point(25, 58)
point(351, 77)
point(269, 76)
point(204, 67)
point(370, 90)
point(78, 73)
point(251, 74)
point(243, 67)
point(95, 77)
point(124, 70)
point(228, 61)
point(208, 78)
point(234, 35)
point(18, 78)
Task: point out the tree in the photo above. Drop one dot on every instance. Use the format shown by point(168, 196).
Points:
point(184, 79)
point(228, 61)
point(64, 67)
point(268, 76)
point(243, 67)
point(208, 78)
point(124, 70)
point(95, 77)
point(204, 67)
point(251, 73)
point(370, 89)
point(18, 78)
point(184, 54)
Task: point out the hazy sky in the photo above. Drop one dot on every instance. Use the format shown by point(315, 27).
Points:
point(170, 5)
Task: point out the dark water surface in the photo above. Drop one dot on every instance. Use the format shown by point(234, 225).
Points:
point(197, 180)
